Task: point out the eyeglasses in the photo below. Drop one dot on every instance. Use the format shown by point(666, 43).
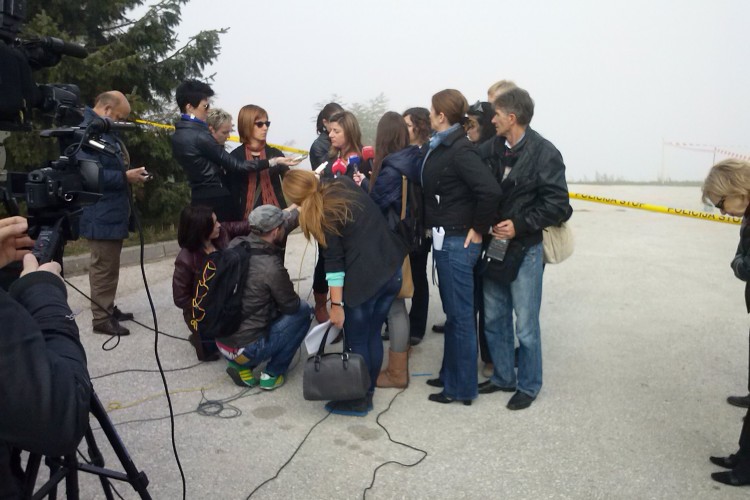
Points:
point(206, 106)
point(476, 108)
point(720, 204)
point(260, 124)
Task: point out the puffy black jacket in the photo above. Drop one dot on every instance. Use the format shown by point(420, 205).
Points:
point(205, 160)
point(386, 191)
point(535, 193)
point(44, 384)
point(465, 186)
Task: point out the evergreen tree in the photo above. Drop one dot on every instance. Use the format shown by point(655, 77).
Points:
point(139, 57)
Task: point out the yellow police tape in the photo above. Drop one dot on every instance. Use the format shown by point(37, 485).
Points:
point(586, 197)
point(233, 138)
point(657, 208)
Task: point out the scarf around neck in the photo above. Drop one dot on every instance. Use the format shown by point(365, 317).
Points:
point(267, 195)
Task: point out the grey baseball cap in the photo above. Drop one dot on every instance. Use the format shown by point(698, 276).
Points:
point(266, 218)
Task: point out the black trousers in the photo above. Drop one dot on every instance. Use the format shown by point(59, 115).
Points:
point(320, 285)
point(421, 299)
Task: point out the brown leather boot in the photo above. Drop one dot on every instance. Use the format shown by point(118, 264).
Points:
point(397, 372)
point(321, 311)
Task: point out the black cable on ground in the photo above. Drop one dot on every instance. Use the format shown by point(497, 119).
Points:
point(377, 421)
point(290, 458)
point(141, 370)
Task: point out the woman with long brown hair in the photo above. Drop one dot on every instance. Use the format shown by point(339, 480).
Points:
point(346, 141)
point(394, 160)
point(341, 217)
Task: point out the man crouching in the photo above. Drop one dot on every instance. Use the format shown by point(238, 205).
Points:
point(274, 319)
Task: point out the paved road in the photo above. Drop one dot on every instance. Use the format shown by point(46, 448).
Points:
point(644, 335)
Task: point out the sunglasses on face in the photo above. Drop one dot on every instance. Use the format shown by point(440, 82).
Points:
point(720, 204)
point(260, 124)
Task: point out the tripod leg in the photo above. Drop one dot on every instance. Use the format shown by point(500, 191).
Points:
point(137, 479)
point(97, 459)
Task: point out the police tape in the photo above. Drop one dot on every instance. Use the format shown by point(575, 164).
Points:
point(695, 214)
point(232, 138)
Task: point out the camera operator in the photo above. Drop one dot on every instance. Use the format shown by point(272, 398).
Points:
point(44, 384)
point(105, 223)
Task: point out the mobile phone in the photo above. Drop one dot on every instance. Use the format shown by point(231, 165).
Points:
point(497, 249)
point(299, 158)
point(146, 176)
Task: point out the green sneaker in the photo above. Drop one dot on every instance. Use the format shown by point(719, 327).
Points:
point(269, 382)
point(241, 375)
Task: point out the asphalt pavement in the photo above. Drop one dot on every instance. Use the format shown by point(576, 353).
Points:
point(644, 336)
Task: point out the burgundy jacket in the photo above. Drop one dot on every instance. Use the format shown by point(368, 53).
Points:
point(188, 265)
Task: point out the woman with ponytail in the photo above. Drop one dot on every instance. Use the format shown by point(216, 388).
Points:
point(339, 215)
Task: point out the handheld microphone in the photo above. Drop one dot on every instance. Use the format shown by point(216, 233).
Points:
point(354, 162)
point(338, 167)
point(368, 153)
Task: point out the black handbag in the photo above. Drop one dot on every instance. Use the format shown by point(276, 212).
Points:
point(504, 271)
point(335, 376)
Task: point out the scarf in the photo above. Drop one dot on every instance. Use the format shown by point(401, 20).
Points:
point(267, 194)
point(438, 137)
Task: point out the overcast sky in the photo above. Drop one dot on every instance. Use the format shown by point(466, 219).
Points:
point(612, 80)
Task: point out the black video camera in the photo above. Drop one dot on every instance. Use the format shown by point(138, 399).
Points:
point(55, 193)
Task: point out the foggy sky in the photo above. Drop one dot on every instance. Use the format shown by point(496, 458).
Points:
point(611, 80)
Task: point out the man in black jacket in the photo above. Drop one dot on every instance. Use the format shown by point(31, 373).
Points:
point(44, 383)
point(274, 318)
point(204, 160)
point(531, 173)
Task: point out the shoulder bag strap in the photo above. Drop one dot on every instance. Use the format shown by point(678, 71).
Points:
point(403, 196)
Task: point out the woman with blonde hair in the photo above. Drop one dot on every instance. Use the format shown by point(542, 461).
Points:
point(355, 240)
point(727, 187)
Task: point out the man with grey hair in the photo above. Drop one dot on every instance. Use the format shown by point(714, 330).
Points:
point(105, 223)
point(274, 318)
point(535, 195)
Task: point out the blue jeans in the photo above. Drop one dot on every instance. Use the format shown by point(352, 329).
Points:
point(524, 296)
point(455, 266)
point(284, 338)
point(363, 324)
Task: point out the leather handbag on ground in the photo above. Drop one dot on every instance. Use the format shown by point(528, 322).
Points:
point(558, 243)
point(407, 284)
point(335, 376)
point(504, 271)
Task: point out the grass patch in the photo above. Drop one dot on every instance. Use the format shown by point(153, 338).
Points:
point(151, 234)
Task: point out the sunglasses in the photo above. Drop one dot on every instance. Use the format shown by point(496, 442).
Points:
point(720, 204)
point(260, 124)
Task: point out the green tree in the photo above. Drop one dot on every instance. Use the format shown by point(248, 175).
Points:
point(368, 114)
point(138, 56)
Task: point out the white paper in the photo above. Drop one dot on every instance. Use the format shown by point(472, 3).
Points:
point(315, 336)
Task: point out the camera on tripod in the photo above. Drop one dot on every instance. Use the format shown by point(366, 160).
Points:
point(55, 193)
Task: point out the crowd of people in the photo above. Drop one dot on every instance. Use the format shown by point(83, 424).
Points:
point(461, 176)
point(476, 184)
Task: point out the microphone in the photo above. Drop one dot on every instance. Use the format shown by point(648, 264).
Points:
point(338, 167)
point(64, 48)
point(368, 153)
point(354, 162)
point(101, 125)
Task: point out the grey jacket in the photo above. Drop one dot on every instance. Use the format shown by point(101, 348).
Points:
point(269, 291)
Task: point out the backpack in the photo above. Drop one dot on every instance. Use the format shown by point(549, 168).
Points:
point(217, 301)
point(411, 226)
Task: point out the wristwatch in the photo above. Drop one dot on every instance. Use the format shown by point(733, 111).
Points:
point(340, 304)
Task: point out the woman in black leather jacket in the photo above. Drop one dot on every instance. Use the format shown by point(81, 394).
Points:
point(319, 148)
point(727, 187)
point(201, 157)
